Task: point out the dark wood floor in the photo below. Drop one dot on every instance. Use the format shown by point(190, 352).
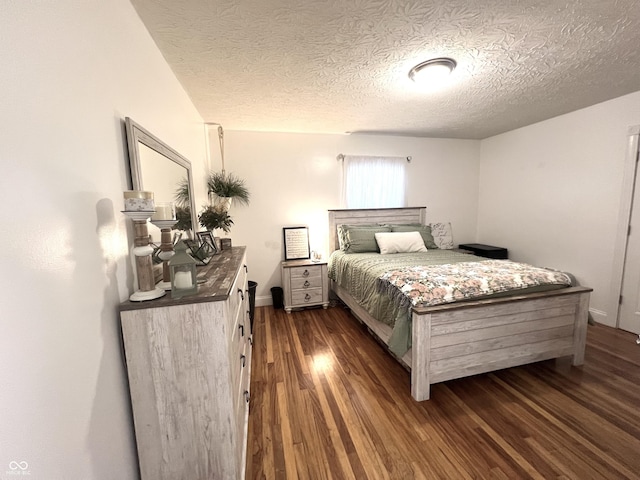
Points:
point(328, 402)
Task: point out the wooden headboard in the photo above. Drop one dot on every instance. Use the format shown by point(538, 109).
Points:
point(372, 215)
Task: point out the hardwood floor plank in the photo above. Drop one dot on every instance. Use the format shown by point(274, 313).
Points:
point(287, 437)
point(328, 402)
point(335, 452)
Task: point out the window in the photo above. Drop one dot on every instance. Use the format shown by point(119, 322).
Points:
point(374, 182)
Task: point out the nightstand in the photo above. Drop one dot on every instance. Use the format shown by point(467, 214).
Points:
point(487, 251)
point(305, 283)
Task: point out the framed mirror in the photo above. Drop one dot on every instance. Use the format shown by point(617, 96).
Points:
point(158, 168)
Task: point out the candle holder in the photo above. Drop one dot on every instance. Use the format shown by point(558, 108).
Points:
point(147, 289)
point(166, 250)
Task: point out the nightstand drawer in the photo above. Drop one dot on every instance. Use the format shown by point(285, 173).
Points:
point(305, 273)
point(306, 297)
point(306, 283)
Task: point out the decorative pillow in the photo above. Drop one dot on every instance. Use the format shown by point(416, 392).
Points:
point(400, 242)
point(360, 238)
point(425, 231)
point(343, 229)
point(442, 235)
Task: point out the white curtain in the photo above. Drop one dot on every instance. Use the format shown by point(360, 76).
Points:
point(374, 182)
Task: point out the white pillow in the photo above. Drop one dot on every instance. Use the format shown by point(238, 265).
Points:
point(400, 242)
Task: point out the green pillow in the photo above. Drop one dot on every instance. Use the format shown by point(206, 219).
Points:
point(424, 230)
point(360, 238)
point(343, 229)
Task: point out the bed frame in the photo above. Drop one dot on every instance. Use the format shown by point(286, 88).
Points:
point(457, 340)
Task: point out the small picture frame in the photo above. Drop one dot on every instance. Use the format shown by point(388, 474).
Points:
point(296, 243)
point(207, 237)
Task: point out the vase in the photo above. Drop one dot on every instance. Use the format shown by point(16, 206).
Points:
point(221, 204)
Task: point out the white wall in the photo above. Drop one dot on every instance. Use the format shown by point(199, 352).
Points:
point(72, 70)
point(294, 178)
point(550, 192)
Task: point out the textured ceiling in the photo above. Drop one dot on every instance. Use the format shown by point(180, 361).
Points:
point(336, 66)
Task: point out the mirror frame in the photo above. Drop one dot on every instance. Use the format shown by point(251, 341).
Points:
point(136, 135)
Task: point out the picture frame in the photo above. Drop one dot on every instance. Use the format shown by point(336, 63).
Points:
point(207, 237)
point(296, 243)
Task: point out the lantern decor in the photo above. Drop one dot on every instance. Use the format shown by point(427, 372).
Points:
point(182, 267)
point(165, 219)
point(139, 207)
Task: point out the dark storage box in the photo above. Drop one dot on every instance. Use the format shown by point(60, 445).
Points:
point(487, 251)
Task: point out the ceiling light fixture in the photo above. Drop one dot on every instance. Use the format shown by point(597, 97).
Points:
point(432, 71)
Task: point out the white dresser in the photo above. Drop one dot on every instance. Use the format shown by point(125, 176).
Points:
point(189, 364)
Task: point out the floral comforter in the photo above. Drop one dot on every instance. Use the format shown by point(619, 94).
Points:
point(438, 284)
point(359, 274)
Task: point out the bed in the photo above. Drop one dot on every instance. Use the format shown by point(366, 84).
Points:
point(455, 340)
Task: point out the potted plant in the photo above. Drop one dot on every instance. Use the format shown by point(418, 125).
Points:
point(212, 217)
point(224, 187)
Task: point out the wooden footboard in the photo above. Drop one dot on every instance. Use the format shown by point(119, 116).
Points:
point(458, 340)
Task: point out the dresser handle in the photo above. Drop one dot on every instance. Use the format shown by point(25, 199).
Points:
point(305, 273)
point(251, 340)
point(241, 327)
point(307, 297)
point(306, 284)
point(243, 359)
point(241, 294)
point(246, 269)
point(246, 396)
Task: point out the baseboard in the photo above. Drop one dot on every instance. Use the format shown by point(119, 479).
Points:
point(264, 301)
point(600, 317)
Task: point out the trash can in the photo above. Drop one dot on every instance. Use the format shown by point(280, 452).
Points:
point(277, 296)
point(252, 301)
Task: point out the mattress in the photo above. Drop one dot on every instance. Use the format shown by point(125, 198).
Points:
point(359, 273)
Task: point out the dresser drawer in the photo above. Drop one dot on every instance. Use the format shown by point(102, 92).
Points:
point(238, 294)
point(242, 420)
point(236, 350)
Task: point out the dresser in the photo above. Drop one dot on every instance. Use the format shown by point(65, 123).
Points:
point(189, 363)
point(304, 283)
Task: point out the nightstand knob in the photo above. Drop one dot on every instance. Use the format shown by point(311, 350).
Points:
point(306, 284)
point(307, 297)
point(305, 273)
